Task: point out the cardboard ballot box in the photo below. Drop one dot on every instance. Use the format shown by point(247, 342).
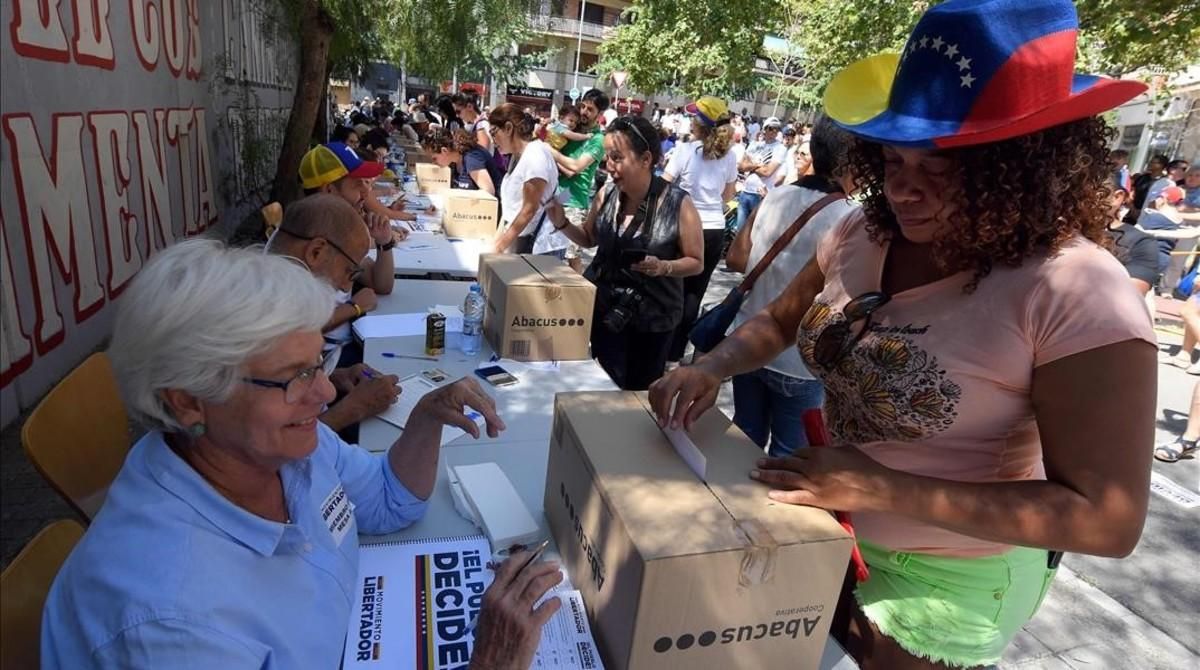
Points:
point(538, 309)
point(432, 178)
point(417, 157)
point(469, 214)
point(677, 572)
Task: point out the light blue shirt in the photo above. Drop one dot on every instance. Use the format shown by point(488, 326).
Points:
point(171, 574)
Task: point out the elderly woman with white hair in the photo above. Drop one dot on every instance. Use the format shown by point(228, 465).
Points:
point(230, 537)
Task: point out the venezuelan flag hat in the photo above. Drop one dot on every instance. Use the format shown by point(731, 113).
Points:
point(974, 72)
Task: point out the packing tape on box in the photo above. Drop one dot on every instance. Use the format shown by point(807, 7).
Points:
point(758, 555)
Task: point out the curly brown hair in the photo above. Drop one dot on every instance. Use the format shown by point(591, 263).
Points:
point(1018, 197)
point(455, 140)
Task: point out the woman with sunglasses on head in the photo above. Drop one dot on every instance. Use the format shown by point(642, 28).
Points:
point(962, 327)
point(648, 238)
point(531, 182)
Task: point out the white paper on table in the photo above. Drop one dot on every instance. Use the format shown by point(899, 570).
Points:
point(390, 325)
point(688, 451)
point(412, 389)
point(400, 636)
point(417, 240)
point(454, 317)
point(567, 637)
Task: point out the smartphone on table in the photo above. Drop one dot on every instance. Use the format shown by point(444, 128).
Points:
point(496, 375)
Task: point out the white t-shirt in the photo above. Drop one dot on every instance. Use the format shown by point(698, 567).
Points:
point(609, 115)
point(776, 213)
point(536, 162)
point(704, 179)
point(683, 125)
point(787, 169)
point(764, 153)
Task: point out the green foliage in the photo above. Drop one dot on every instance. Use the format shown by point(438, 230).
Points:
point(694, 48)
point(434, 37)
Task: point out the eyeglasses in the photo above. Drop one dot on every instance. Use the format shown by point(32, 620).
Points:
point(297, 387)
point(355, 273)
point(836, 340)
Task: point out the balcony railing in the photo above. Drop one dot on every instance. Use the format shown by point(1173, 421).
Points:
point(565, 26)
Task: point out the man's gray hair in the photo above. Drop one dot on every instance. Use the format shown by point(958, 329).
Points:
point(197, 312)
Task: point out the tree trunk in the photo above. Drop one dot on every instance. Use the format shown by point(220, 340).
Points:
point(321, 130)
point(316, 32)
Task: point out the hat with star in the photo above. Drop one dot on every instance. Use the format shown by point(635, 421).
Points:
point(974, 72)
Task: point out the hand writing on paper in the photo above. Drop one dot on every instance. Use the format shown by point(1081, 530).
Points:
point(509, 627)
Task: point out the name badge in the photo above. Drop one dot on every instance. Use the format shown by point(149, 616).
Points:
point(338, 513)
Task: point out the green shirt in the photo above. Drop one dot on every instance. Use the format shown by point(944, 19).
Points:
point(580, 186)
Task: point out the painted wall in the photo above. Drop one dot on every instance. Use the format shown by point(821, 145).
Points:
point(124, 126)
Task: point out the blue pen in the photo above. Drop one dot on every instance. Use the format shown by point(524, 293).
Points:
point(367, 373)
point(388, 354)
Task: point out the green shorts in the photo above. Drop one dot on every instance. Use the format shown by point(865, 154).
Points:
point(961, 612)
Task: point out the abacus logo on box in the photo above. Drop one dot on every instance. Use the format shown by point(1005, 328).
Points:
point(790, 628)
point(522, 321)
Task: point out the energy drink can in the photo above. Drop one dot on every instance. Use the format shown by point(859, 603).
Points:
point(435, 334)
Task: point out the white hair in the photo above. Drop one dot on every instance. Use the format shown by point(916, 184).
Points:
point(197, 312)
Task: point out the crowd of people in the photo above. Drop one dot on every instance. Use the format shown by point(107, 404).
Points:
point(945, 286)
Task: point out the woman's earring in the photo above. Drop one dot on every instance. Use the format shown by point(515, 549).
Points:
point(196, 430)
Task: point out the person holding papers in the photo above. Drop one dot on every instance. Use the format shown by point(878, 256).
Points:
point(229, 539)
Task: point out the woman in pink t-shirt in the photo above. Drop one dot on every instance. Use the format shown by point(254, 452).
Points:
point(989, 369)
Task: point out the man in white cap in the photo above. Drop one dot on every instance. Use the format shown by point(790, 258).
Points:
point(758, 165)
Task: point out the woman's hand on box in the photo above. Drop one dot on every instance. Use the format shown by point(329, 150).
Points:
point(834, 478)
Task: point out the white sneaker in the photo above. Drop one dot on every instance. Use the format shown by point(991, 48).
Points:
point(1180, 360)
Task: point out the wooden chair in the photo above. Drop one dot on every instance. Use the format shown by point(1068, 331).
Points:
point(23, 590)
point(78, 436)
point(272, 216)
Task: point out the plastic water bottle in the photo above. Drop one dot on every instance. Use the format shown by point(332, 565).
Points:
point(472, 310)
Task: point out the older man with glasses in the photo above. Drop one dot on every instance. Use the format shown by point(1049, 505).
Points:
point(324, 234)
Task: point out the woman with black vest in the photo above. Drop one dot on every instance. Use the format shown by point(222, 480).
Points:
point(648, 237)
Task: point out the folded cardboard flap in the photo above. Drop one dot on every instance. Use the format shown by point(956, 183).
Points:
point(728, 498)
